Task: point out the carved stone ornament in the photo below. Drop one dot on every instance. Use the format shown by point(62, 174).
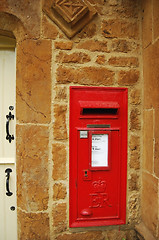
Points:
point(70, 15)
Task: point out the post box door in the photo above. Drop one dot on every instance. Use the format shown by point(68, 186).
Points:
point(98, 194)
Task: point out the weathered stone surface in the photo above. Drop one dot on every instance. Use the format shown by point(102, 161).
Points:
point(134, 143)
point(156, 154)
point(88, 31)
point(67, 45)
point(124, 61)
point(134, 160)
point(148, 140)
point(33, 226)
point(135, 97)
point(116, 234)
point(128, 9)
point(121, 235)
point(80, 236)
point(59, 217)
point(100, 59)
point(32, 167)
point(60, 93)
point(49, 30)
point(147, 22)
point(134, 182)
point(92, 45)
point(128, 77)
point(134, 208)
point(59, 191)
point(60, 127)
point(151, 75)
point(120, 9)
point(120, 29)
point(59, 161)
point(28, 14)
point(135, 122)
point(143, 232)
point(149, 206)
point(87, 76)
point(76, 57)
point(156, 18)
point(34, 81)
point(71, 18)
point(124, 46)
point(135, 152)
point(12, 27)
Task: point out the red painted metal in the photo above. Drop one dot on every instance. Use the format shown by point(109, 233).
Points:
point(98, 193)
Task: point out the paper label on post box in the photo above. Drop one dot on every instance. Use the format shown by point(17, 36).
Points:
point(99, 150)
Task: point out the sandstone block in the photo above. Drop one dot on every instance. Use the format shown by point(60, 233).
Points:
point(156, 157)
point(60, 93)
point(134, 160)
point(115, 234)
point(128, 9)
point(33, 226)
point(149, 202)
point(128, 77)
point(92, 45)
point(67, 45)
point(100, 59)
point(134, 152)
point(151, 75)
point(120, 29)
point(147, 22)
point(59, 161)
point(134, 208)
point(59, 191)
point(59, 127)
point(135, 123)
point(156, 18)
point(121, 45)
point(59, 217)
point(124, 61)
point(80, 236)
point(77, 57)
point(135, 97)
point(34, 81)
point(148, 141)
point(87, 76)
point(134, 143)
point(28, 14)
point(89, 31)
point(49, 30)
point(156, 154)
point(134, 182)
point(32, 167)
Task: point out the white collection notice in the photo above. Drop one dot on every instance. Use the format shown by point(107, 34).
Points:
point(99, 150)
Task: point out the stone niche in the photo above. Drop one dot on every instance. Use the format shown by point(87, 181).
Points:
point(70, 15)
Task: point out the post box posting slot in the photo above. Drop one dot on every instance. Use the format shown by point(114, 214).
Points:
point(98, 156)
point(98, 109)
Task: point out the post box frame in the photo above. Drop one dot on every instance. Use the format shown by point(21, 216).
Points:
point(75, 115)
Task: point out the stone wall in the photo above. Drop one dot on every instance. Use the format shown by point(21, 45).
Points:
point(150, 173)
point(107, 52)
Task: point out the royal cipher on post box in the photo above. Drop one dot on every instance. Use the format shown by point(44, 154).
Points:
point(98, 156)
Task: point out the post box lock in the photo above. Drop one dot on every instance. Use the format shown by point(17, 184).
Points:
point(86, 175)
point(98, 156)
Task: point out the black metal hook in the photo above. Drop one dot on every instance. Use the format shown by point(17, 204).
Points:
point(9, 137)
point(8, 171)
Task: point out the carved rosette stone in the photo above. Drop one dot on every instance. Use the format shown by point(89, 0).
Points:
point(70, 15)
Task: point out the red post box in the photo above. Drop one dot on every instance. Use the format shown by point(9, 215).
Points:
point(98, 156)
